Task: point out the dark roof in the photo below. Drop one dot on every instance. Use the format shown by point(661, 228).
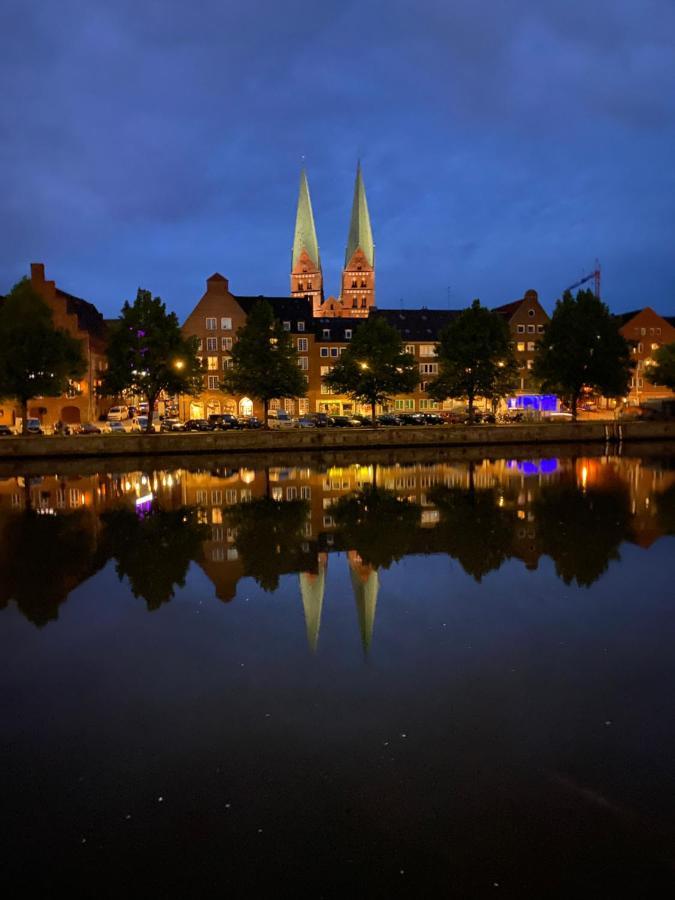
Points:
point(670, 320)
point(337, 327)
point(508, 309)
point(627, 316)
point(217, 277)
point(288, 309)
point(88, 317)
point(418, 324)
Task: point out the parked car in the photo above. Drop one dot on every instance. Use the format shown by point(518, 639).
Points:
point(346, 422)
point(307, 422)
point(366, 421)
point(140, 423)
point(387, 419)
point(560, 416)
point(280, 419)
point(6, 431)
point(322, 420)
point(198, 425)
point(116, 428)
point(250, 422)
point(33, 426)
point(432, 419)
point(87, 428)
point(223, 422)
point(118, 413)
point(171, 425)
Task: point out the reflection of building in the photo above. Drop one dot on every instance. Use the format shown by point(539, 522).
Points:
point(83, 321)
point(312, 587)
point(365, 584)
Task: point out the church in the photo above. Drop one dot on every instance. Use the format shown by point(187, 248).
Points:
point(357, 290)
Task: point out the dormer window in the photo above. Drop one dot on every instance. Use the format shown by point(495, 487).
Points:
point(301, 326)
point(326, 333)
point(287, 326)
point(348, 334)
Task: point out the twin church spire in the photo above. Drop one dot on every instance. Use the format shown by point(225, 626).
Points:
point(357, 294)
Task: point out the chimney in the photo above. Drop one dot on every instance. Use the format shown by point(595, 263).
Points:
point(37, 272)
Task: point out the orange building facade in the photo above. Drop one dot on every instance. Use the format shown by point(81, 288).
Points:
point(647, 331)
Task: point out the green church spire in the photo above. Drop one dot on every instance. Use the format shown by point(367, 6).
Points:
point(360, 232)
point(305, 232)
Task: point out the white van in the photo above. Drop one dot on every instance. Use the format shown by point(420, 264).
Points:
point(118, 413)
point(279, 418)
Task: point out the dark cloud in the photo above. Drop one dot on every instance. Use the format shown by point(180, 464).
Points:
point(505, 143)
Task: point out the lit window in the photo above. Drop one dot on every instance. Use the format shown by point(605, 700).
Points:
point(655, 346)
point(303, 362)
point(427, 350)
point(520, 346)
point(211, 363)
point(530, 363)
point(325, 370)
point(226, 323)
point(429, 368)
point(530, 345)
point(211, 324)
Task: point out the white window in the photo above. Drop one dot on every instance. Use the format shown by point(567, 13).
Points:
point(521, 329)
point(325, 370)
point(232, 554)
point(227, 362)
point(540, 329)
point(226, 343)
point(211, 324)
point(303, 362)
point(213, 382)
point(226, 323)
point(277, 493)
point(291, 493)
point(427, 350)
point(530, 328)
point(287, 326)
point(530, 345)
point(643, 331)
point(323, 351)
point(305, 492)
point(410, 348)
point(218, 554)
point(216, 497)
point(212, 363)
point(303, 345)
point(640, 346)
point(530, 363)
point(429, 368)
point(230, 496)
point(200, 344)
point(211, 344)
point(348, 334)
point(655, 346)
point(326, 333)
point(334, 351)
point(301, 326)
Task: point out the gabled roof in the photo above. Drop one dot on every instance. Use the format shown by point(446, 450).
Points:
point(360, 232)
point(305, 231)
point(418, 324)
point(670, 320)
point(287, 309)
point(509, 309)
point(627, 316)
point(88, 317)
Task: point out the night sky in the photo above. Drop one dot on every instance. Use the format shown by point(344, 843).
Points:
point(505, 145)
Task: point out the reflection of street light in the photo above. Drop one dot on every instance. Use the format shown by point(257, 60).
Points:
point(363, 365)
point(179, 365)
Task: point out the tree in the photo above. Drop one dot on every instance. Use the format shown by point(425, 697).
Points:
point(148, 354)
point(505, 381)
point(36, 358)
point(472, 350)
point(264, 361)
point(582, 347)
point(663, 370)
point(374, 367)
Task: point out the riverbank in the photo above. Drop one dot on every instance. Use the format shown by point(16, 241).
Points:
point(321, 439)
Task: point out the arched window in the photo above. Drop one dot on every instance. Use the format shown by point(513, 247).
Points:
point(363, 302)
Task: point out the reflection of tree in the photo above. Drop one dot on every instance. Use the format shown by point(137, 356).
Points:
point(154, 551)
point(581, 530)
point(376, 523)
point(665, 504)
point(269, 538)
point(43, 558)
point(473, 528)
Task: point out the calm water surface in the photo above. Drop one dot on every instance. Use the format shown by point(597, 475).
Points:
point(450, 679)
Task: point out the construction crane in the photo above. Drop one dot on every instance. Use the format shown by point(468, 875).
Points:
point(594, 276)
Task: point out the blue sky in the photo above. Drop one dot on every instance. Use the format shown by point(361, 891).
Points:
point(505, 145)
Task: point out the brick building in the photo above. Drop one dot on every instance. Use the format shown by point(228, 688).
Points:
point(82, 320)
point(647, 331)
point(526, 319)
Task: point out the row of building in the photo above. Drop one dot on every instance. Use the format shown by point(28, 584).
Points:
point(321, 328)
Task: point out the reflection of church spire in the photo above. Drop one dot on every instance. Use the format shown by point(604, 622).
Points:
point(365, 584)
point(312, 588)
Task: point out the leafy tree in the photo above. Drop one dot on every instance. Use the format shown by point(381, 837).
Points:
point(472, 350)
point(582, 347)
point(148, 354)
point(269, 538)
point(581, 530)
point(36, 358)
point(663, 371)
point(374, 367)
point(154, 551)
point(505, 381)
point(376, 523)
point(264, 360)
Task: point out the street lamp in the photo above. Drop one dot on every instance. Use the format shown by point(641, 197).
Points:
point(179, 365)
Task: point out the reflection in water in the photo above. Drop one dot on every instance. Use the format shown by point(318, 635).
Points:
point(281, 521)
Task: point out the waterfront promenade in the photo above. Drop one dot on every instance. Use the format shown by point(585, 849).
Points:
point(323, 439)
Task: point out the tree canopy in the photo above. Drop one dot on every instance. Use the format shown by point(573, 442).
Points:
point(582, 347)
point(663, 370)
point(475, 357)
point(264, 360)
point(148, 353)
point(374, 367)
point(36, 358)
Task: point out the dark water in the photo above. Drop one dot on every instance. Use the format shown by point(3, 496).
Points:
point(449, 679)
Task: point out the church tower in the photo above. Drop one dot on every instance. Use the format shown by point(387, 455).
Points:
point(306, 275)
point(358, 275)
